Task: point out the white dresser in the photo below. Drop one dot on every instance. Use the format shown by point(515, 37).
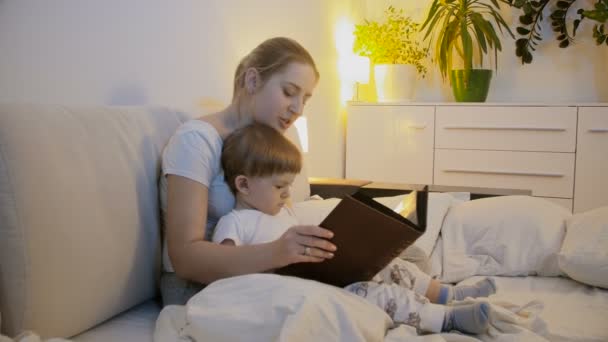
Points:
point(560, 152)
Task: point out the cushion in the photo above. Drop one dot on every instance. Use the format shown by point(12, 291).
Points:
point(79, 214)
point(438, 206)
point(508, 235)
point(584, 253)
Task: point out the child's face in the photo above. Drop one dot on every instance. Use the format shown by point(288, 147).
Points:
point(269, 194)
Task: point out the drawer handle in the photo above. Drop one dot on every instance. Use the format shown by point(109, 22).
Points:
point(507, 172)
point(598, 130)
point(509, 128)
point(417, 126)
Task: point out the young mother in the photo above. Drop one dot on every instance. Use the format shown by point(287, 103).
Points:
point(271, 86)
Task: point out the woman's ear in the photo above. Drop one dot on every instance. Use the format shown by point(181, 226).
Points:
point(242, 184)
point(252, 80)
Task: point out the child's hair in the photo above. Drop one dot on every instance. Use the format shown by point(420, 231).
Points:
point(258, 150)
point(270, 57)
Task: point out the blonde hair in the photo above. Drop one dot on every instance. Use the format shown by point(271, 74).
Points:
point(269, 58)
point(258, 150)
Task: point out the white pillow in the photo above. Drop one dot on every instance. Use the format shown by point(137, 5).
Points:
point(438, 206)
point(584, 253)
point(508, 235)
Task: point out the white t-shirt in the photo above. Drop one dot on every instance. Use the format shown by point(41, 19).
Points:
point(194, 152)
point(249, 226)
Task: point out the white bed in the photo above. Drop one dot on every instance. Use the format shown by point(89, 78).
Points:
point(536, 300)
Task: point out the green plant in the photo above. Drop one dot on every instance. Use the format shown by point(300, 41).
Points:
point(529, 28)
point(464, 26)
point(391, 42)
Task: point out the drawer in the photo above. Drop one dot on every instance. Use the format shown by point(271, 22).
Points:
point(545, 173)
point(591, 189)
point(508, 128)
point(390, 143)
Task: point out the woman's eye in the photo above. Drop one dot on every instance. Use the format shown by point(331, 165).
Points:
point(287, 92)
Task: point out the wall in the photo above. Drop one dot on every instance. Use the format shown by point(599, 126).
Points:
point(176, 53)
point(576, 74)
point(182, 53)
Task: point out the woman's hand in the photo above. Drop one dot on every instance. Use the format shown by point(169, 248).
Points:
point(304, 244)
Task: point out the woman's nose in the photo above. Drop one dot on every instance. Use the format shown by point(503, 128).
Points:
point(296, 108)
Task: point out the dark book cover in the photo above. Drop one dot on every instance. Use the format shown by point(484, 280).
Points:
point(368, 236)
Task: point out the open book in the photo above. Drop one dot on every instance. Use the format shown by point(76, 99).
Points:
point(368, 236)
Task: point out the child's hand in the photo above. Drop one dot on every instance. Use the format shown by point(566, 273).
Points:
point(304, 244)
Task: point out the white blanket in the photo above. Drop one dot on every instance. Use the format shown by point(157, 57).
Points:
point(268, 307)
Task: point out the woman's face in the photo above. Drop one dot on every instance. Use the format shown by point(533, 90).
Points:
point(281, 99)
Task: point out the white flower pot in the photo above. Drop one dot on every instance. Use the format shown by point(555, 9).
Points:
point(395, 82)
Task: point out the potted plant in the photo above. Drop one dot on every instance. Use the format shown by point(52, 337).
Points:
point(465, 27)
point(529, 29)
point(395, 51)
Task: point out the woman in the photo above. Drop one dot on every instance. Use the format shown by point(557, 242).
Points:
point(271, 86)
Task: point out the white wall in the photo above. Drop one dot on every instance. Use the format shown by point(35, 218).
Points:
point(576, 74)
point(182, 53)
point(176, 53)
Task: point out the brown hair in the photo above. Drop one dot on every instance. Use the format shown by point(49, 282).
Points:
point(270, 57)
point(258, 150)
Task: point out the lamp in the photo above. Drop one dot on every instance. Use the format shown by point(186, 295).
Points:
point(302, 128)
point(359, 69)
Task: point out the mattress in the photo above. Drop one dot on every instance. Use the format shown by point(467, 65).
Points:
point(134, 325)
point(572, 311)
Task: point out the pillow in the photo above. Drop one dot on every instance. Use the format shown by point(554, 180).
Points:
point(584, 253)
point(438, 206)
point(508, 235)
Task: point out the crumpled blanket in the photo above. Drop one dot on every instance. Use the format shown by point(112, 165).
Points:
point(29, 336)
point(269, 307)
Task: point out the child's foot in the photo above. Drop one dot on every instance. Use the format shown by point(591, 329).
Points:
point(470, 319)
point(482, 288)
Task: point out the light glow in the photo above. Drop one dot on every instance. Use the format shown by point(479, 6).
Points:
point(351, 68)
point(302, 128)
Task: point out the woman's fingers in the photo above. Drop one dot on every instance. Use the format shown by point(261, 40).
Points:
point(314, 231)
point(316, 254)
point(313, 236)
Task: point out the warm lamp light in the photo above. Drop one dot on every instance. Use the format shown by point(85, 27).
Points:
point(302, 128)
point(359, 73)
point(360, 69)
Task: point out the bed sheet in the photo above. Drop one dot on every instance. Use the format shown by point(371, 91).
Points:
point(572, 311)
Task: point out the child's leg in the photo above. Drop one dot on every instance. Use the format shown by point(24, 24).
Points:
point(408, 275)
point(408, 307)
point(402, 305)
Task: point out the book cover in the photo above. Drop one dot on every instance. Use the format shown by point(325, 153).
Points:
point(368, 236)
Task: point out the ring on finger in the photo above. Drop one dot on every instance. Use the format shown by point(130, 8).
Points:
point(307, 251)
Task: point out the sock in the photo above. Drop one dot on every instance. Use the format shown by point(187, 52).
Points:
point(470, 318)
point(482, 288)
point(445, 294)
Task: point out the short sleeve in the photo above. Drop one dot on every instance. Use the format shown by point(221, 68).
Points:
point(227, 228)
point(194, 154)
